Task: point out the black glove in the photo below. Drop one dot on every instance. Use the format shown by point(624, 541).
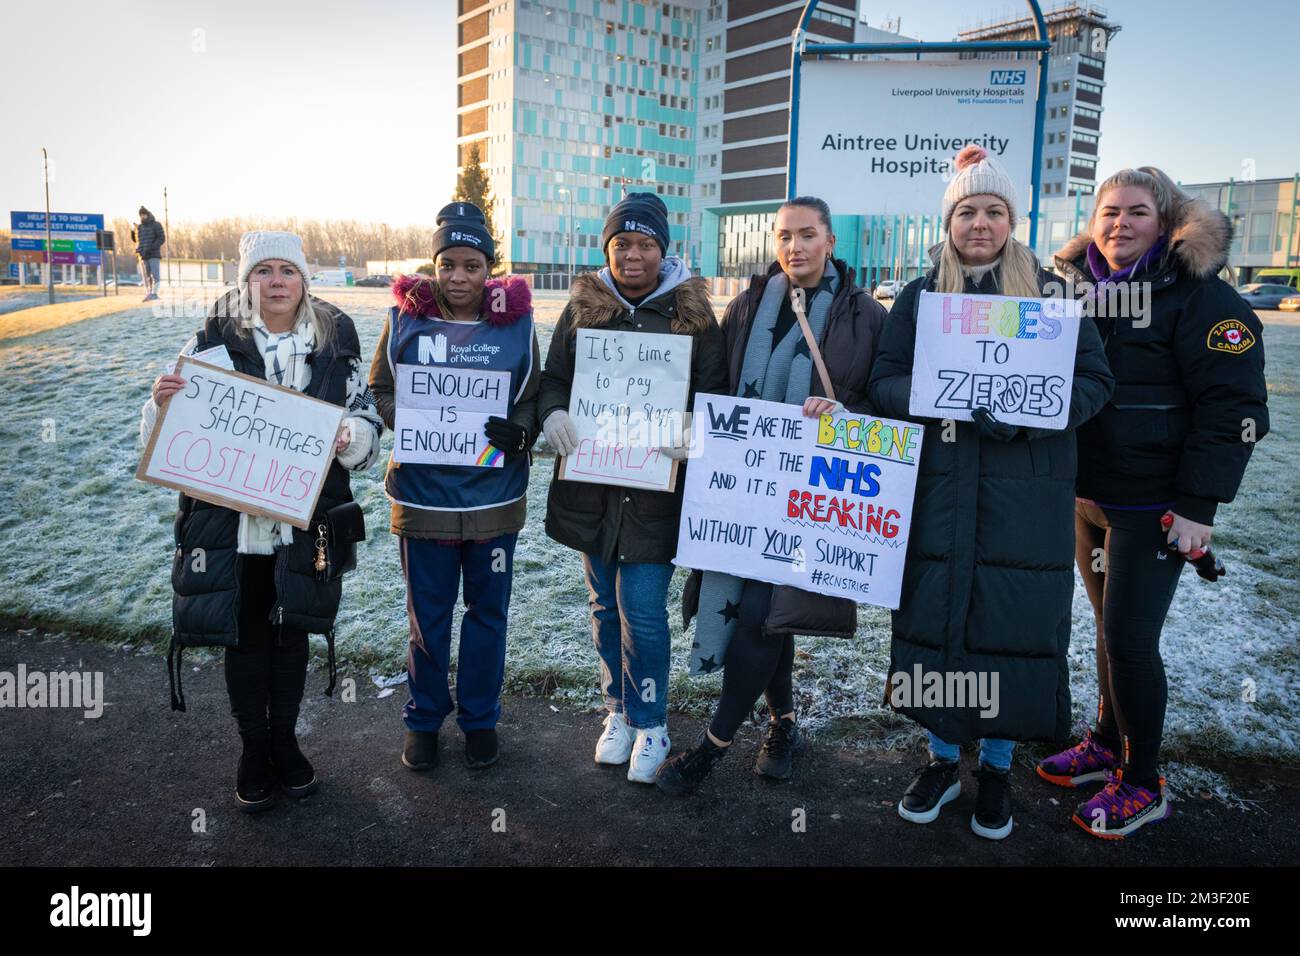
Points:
point(990, 427)
point(510, 438)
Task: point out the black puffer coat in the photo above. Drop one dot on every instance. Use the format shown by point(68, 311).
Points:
point(989, 578)
point(1190, 397)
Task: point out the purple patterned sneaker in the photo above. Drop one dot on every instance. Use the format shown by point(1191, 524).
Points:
point(1120, 808)
point(1085, 762)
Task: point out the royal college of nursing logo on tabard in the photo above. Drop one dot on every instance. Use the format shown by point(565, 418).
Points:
point(1230, 336)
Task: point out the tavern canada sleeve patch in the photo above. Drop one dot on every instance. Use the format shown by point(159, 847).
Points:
point(1231, 336)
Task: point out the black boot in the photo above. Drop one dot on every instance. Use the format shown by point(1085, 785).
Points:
point(293, 771)
point(681, 775)
point(420, 750)
point(481, 747)
point(776, 758)
point(247, 683)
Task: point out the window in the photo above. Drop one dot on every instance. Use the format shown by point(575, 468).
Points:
point(1086, 87)
point(1065, 86)
point(1093, 62)
point(1086, 111)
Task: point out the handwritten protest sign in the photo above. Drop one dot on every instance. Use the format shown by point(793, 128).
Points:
point(441, 413)
point(823, 504)
point(628, 398)
point(238, 441)
point(1012, 356)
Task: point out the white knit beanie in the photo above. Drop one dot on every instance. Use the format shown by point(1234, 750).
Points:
point(258, 246)
point(978, 174)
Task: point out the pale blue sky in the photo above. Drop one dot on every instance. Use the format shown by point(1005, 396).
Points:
point(347, 110)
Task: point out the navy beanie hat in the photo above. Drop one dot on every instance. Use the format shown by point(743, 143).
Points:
point(463, 224)
point(638, 212)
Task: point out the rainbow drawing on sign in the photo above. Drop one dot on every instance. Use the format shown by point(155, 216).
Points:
point(490, 457)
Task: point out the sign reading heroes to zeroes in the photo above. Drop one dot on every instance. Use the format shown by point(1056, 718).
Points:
point(1013, 356)
point(240, 442)
point(891, 154)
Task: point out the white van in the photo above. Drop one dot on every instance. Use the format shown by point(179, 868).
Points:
point(333, 277)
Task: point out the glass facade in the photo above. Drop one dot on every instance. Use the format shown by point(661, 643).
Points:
point(592, 100)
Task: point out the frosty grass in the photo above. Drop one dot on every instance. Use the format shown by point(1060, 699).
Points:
point(88, 548)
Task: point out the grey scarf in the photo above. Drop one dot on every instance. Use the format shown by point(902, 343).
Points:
point(775, 372)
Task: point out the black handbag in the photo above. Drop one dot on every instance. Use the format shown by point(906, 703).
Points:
point(337, 534)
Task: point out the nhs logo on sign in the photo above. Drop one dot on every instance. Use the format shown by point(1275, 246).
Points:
point(1007, 78)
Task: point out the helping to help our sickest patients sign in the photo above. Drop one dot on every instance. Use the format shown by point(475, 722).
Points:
point(441, 413)
point(243, 443)
point(1012, 356)
point(893, 151)
point(823, 504)
point(628, 400)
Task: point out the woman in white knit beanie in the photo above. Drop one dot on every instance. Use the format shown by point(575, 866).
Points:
point(989, 576)
point(257, 591)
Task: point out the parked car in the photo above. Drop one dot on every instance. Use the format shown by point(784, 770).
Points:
point(1264, 295)
point(376, 280)
point(1290, 304)
point(333, 277)
point(889, 288)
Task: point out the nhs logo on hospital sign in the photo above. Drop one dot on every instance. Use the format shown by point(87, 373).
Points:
point(1007, 78)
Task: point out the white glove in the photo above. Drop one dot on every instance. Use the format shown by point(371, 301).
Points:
point(684, 448)
point(560, 433)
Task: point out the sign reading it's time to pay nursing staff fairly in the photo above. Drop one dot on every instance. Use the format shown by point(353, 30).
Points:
point(823, 504)
point(237, 441)
point(1013, 356)
point(628, 400)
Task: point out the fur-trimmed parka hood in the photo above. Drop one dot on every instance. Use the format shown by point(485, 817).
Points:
point(688, 306)
point(1199, 243)
point(418, 295)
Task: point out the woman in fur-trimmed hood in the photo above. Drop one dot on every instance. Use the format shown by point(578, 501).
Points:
point(458, 478)
point(1155, 463)
point(628, 536)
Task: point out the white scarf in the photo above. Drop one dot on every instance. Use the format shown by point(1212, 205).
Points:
point(285, 357)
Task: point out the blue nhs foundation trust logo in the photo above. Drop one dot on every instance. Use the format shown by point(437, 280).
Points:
point(1007, 78)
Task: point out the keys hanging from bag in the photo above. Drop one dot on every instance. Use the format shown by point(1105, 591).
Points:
point(337, 534)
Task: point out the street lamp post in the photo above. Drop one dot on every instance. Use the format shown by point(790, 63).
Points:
point(563, 189)
point(49, 245)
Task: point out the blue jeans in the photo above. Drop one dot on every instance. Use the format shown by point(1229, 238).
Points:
point(993, 751)
point(629, 626)
point(149, 274)
point(433, 574)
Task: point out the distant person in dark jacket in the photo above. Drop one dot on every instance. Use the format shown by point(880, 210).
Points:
point(989, 579)
point(149, 239)
point(768, 357)
point(1190, 402)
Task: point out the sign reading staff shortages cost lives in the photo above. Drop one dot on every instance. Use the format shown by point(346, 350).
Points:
point(893, 151)
point(823, 504)
point(233, 440)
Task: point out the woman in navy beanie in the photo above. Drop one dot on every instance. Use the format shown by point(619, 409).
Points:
point(628, 536)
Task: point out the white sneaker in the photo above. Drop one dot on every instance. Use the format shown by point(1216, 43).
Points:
point(651, 749)
point(615, 744)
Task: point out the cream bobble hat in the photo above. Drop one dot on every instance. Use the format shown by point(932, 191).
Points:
point(259, 245)
point(978, 174)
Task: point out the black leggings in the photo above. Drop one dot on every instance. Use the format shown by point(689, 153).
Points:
point(1131, 579)
point(755, 664)
point(266, 672)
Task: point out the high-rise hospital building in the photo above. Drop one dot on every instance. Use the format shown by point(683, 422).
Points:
point(572, 103)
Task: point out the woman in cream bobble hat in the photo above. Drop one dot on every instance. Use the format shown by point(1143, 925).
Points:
point(990, 565)
point(257, 592)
